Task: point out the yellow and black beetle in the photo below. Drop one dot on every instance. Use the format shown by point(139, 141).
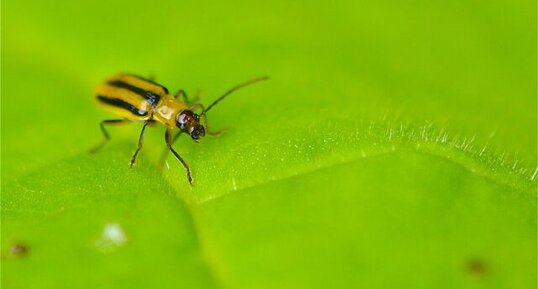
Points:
point(138, 99)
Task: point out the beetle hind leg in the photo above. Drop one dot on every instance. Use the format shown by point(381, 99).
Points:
point(110, 122)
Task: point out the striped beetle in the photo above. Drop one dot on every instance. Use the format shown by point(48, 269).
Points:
point(138, 99)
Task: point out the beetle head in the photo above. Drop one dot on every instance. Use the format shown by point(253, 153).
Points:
point(189, 122)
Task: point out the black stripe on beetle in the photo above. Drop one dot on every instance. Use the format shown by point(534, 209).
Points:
point(122, 104)
point(151, 97)
point(152, 82)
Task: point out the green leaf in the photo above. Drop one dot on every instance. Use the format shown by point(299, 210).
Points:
point(393, 147)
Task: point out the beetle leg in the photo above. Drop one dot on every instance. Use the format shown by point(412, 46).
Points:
point(168, 138)
point(152, 122)
point(196, 96)
point(181, 94)
point(140, 143)
point(164, 154)
point(105, 133)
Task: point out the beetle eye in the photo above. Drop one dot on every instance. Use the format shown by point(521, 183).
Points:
point(198, 132)
point(180, 121)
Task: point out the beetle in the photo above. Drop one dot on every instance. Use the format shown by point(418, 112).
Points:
point(135, 98)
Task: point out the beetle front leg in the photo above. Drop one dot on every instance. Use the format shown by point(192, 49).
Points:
point(168, 138)
point(164, 154)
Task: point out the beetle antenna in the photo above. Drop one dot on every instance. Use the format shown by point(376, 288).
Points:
point(241, 85)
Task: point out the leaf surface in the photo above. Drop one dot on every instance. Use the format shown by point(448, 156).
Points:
point(394, 146)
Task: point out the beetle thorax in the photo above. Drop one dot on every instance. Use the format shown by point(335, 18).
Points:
point(168, 110)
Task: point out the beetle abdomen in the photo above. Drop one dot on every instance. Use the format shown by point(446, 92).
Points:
point(121, 105)
point(130, 96)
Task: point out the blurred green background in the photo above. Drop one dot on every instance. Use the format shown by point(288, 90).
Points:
point(393, 147)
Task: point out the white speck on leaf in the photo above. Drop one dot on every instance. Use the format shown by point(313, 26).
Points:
point(112, 237)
